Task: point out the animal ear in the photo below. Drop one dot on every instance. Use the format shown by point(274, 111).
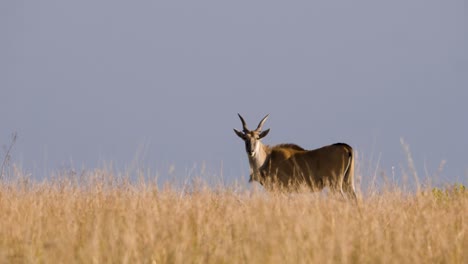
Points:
point(264, 133)
point(239, 134)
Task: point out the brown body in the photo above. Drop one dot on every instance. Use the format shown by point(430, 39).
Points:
point(289, 166)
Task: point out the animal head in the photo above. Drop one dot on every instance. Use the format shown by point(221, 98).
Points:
point(252, 137)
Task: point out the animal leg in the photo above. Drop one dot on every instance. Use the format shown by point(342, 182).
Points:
point(349, 190)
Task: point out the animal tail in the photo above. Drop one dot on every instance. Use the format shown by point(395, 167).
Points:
point(348, 179)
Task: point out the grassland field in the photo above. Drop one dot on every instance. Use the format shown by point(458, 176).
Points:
point(103, 218)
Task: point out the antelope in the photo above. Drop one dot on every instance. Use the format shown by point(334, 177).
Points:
point(288, 166)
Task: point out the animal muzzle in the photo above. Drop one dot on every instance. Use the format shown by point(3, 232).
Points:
point(250, 148)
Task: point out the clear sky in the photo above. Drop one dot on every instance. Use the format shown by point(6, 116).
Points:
point(161, 82)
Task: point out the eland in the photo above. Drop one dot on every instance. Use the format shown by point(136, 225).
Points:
point(289, 166)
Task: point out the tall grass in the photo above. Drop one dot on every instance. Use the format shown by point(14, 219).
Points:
point(98, 217)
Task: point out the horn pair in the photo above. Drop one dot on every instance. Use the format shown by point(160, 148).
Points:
point(259, 127)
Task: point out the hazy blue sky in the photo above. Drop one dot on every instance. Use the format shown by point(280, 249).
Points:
point(86, 82)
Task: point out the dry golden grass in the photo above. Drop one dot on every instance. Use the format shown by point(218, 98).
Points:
point(99, 219)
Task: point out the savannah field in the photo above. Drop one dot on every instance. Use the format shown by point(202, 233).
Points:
point(98, 217)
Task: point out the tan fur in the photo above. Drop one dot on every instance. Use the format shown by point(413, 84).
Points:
point(289, 166)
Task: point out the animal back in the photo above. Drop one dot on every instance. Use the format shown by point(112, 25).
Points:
point(289, 146)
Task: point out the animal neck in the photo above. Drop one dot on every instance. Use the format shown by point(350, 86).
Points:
point(257, 161)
